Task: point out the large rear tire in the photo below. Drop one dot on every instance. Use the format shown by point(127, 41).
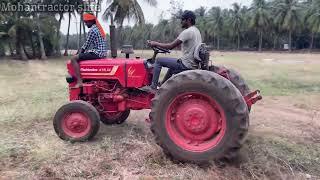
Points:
point(235, 78)
point(199, 116)
point(76, 121)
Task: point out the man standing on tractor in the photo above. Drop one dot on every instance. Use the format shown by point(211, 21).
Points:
point(189, 39)
point(95, 46)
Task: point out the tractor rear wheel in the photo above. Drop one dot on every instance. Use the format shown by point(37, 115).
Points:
point(76, 121)
point(198, 116)
point(115, 118)
point(235, 78)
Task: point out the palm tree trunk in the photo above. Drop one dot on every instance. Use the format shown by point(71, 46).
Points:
point(19, 47)
point(98, 4)
point(57, 48)
point(11, 49)
point(42, 51)
point(311, 43)
point(218, 42)
point(260, 39)
point(290, 40)
point(238, 41)
point(21, 51)
point(80, 35)
point(274, 43)
point(32, 46)
point(68, 35)
point(84, 29)
point(24, 48)
point(213, 40)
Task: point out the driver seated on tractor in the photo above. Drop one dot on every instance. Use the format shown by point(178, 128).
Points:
point(189, 39)
point(94, 48)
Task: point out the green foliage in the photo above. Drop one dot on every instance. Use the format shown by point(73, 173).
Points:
point(24, 35)
point(266, 24)
point(312, 16)
point(263, 25)
point(126, 9)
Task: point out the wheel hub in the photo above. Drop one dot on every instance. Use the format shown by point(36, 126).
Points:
point(195, 122)
point(76, 125)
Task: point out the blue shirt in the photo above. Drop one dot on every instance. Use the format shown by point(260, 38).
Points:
point(95, 43)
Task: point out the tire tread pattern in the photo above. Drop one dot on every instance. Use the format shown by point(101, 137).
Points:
point(233, 98)
point(88, 108)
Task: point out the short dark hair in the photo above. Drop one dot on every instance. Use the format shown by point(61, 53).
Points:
point(189, 15)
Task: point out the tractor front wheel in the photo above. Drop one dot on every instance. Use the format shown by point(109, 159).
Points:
point(199, 116)
point(76, 121)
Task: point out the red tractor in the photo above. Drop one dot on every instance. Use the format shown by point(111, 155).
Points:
point(196, 116)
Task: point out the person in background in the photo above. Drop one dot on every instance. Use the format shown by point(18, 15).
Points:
point(95, 46)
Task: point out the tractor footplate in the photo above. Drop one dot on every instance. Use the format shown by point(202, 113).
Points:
point(253, 97)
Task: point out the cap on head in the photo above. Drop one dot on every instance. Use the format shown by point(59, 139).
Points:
point(89, 17)
point(189, 15)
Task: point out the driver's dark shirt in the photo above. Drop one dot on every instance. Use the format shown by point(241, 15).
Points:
point(95, 43)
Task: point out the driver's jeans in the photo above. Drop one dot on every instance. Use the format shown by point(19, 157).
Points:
point(174, 66)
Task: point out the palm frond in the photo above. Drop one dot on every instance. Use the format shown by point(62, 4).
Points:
point(152, 2)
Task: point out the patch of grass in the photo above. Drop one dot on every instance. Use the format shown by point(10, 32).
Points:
point(7, 150)
point(274, 78)
point(274, 156)
point(31, 92)
point(281, 85)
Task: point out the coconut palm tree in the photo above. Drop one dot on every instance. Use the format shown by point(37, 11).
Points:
point(126, 9)
point(16, 25)
point(312, 19)
point(68, 35)
point(42, 51)
point(217, 20)
point(202, 22)
point(98, 5)
point(200, 11)
point(60, 14)
point(236, 21)
point(260, 18)
point(287, 16)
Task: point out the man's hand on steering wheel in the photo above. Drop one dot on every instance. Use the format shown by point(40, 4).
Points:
point(151, 43)
point(155, 46)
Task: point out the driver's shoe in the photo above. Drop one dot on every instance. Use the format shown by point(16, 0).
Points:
point(149, 89)
point(149, 64)
point(78, 85)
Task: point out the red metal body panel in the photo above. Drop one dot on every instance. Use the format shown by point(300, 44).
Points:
point(110, 83)
point(129, 72)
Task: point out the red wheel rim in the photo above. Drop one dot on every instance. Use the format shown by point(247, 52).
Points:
point(76, 124)
point(195, 122)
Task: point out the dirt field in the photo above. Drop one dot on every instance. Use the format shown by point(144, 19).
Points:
point(283, 142)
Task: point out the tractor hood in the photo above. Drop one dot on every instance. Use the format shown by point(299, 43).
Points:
point(129, 72)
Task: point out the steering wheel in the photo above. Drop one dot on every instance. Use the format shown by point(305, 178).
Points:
point(160, 50)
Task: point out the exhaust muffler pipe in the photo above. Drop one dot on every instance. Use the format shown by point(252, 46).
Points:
point(113, 41)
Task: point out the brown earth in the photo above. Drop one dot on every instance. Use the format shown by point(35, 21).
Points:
point(128, 151)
